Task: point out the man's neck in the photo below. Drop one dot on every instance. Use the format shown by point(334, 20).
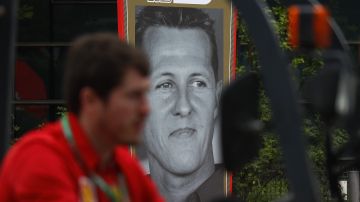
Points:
point(103, 146)
point(177, 188)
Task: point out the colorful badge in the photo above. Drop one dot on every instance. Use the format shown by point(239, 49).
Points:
point(87, 190)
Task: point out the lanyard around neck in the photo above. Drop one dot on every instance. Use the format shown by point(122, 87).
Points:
point(96, 179)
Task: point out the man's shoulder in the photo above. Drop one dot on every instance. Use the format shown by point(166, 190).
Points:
point(49, 135)
point(130, 166)
point(38, 161)
point(33, 145)
point(140, 185)
point(125, 159)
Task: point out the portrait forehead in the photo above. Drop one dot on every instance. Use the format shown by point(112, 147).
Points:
point(169, 48)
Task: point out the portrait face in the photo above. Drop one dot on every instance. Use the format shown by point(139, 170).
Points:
point(123, 113)
point(183, 97)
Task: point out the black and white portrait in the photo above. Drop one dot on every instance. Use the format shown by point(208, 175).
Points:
point(182, 45)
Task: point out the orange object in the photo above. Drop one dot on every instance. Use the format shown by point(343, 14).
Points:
point(309, 26)
point(294, 26)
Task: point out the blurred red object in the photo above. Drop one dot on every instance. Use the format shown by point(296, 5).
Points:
point(29, 86)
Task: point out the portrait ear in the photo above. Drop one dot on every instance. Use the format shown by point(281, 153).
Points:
point(218, 91)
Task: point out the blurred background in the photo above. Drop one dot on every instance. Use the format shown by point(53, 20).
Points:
point(46, 27)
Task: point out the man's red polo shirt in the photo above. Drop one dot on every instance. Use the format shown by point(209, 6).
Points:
point(41, 167)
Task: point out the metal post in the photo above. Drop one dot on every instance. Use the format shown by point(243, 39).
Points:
point(353, 187)
point(7, 59)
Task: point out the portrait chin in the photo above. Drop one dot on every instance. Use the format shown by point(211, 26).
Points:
point(180, 159)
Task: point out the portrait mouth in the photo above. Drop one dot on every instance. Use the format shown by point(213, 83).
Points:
point(182, 133)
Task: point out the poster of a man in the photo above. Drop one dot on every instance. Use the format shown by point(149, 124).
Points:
point(185, 46)
point(184, 95)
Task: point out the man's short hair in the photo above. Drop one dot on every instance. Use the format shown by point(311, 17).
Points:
point(99, 61)
point(182, 18)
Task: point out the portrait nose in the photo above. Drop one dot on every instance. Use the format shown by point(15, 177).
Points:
point(182, 106)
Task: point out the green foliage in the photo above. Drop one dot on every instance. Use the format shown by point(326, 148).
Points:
point(15, 127)
point(60, 111)
point(264, 179)
point(25, 11)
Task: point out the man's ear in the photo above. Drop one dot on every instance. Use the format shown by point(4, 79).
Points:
point(87, 98)
point(218, 92)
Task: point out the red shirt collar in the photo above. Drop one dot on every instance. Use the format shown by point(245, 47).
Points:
point(87, 151)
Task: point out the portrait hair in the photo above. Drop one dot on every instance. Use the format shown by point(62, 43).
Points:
point(99, 61)
point(181, 18)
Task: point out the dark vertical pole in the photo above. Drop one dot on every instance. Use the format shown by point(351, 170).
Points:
point(7, 61)
point(52, 80)
point(353, 187)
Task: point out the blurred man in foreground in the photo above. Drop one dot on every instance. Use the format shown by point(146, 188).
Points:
point(84, 156)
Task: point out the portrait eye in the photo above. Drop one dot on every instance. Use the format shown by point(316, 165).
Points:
point(198, 84)
point(165, 86)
